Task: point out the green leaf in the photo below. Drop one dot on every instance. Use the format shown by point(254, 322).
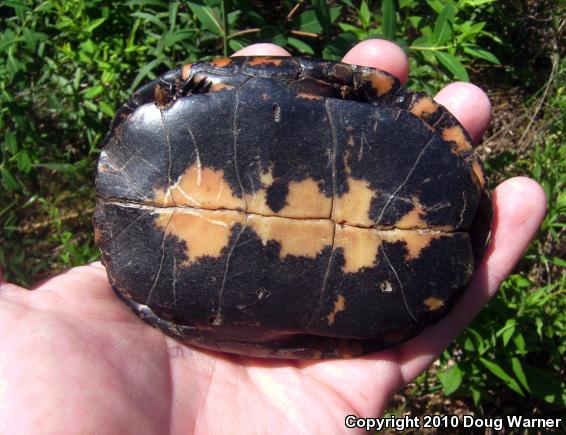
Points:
point(453, 65)
point(338, 46)
point(7, 40)
point(335, 13)
point(180, 35)
point(93, 91)
point(323, 14)
point(475, 51)
point(207, 17)
point(151, 18)
point(279, 39)
point(443, 25)
point(365, 14)
point(389, 19)
point(11, 142)
point(507, 331)
point(235, 45)
point(501, 374)
point(94, 24)
point(544, 385)
point(436, 5)
point(558, 262)
point(9, 180)
point(160, 3)
point(476, 395)
point(308, 22)
point(300, 45)
point(451, 379)
point(106, 109)
point(143, 72)
point(519, 342)
point(422, 42)
point(24, 162)
point(519, 373)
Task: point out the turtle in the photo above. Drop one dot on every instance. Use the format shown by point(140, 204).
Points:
point(288, 207)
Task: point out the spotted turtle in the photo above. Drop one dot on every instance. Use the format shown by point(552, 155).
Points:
point(288, 207)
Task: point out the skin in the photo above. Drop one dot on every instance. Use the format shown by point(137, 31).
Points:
point(75, 360)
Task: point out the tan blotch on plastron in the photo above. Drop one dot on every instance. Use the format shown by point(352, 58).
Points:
point(380, 82)
point(206, 233)
point(304, 200)
point(433, 303)
point(339, 305)
point(415, 218)
point(353, 207)
point(200, 187)
point(424, 106)
point(360, 247)
point(414, 241)
point(265, 61)
point(456, 134)
point(297, 238)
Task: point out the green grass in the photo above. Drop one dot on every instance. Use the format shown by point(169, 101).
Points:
point(66, 66)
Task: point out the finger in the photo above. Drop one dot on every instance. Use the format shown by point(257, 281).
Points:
point(382, 54)
point(262, 49)
point(519, 208)
point(469, 104)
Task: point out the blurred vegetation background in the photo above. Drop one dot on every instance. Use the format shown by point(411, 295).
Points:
point(65, 66)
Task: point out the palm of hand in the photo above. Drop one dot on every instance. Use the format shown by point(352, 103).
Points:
point(88, 359)
point(74, 359)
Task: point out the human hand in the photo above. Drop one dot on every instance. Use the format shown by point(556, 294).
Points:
point(74, 359)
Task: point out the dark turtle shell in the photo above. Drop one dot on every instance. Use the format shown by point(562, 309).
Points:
point(288, 207)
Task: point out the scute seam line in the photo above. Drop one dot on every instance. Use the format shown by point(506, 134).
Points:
point(158, 208)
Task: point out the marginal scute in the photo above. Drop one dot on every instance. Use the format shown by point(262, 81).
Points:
point(478, 174)
point(265, 61)
point(296, 238)
point(190, 226)
point(456, 135)
point(424, 106)
point(186, 71)
point(221, 62)
point(200, 186)
point(381, 82)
